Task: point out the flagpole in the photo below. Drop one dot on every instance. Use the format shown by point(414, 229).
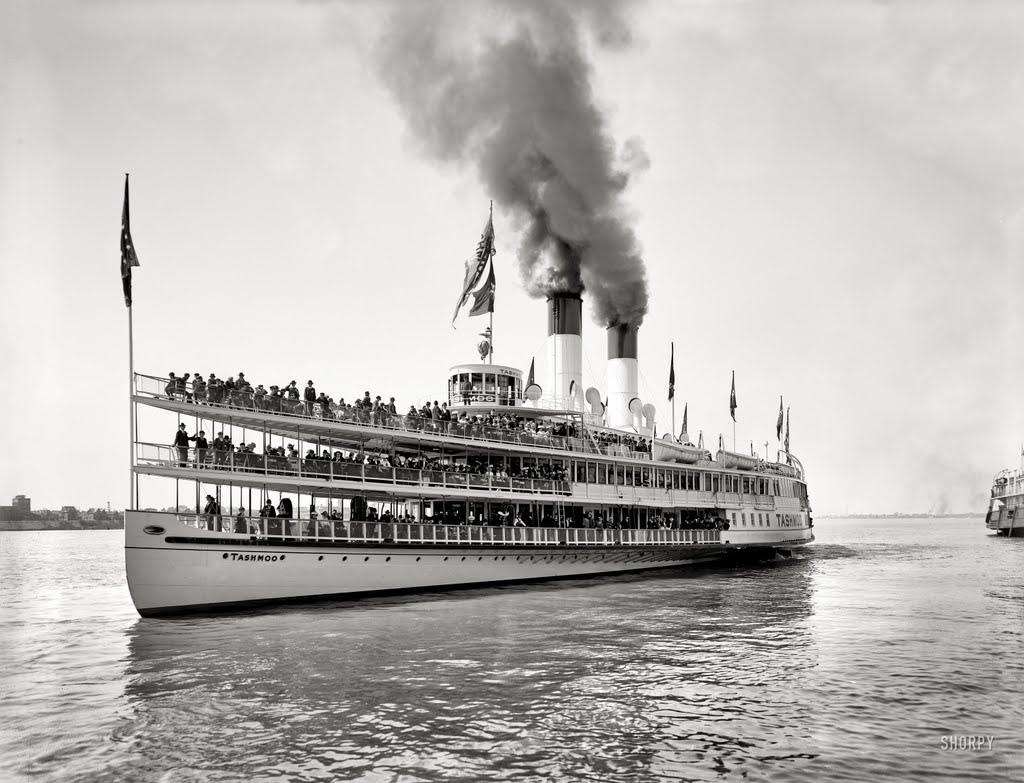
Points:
point(673, 390)
point(490, 329)
point(131, 412)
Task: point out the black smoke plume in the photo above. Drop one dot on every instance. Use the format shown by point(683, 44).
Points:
point(505, 86)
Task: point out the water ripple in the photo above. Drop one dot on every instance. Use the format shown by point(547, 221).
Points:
point(848, 662)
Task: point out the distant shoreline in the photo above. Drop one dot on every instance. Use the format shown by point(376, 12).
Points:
point(53, 524)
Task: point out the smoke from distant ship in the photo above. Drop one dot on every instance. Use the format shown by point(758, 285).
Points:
point(505, 86)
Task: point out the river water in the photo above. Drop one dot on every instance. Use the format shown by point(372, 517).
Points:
point(856, 660)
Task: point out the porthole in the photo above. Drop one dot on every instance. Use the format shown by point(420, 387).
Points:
point(225, 555)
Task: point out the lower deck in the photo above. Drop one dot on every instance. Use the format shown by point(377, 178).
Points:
point(184, 564)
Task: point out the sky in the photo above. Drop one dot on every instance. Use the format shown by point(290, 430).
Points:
point(832, 207)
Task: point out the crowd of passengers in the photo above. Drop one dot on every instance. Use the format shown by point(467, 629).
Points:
point(222, 453)
point(238, 392)
point(590, 521)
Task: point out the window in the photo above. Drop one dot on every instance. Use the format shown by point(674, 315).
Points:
point(743, 516)
point(581, 471)
point(591, 473)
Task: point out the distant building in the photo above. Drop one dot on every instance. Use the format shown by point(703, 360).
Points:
point(20, 508)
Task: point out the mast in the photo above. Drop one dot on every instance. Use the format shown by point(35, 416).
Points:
point(490, 325)
point(131, 413)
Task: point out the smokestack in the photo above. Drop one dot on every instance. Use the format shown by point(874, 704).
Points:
point(565, 349)
point(622, 374)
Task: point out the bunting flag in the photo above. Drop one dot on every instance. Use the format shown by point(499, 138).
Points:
point(484, 251)
point(778, 424)
point(684, 432)
point(483, 300)
point(732, 397)
point(128, 257)
point(672, 375)
point(529, 378)
point(786, 444)
point(700, 440)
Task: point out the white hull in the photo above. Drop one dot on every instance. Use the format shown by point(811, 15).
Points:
point(183, 569)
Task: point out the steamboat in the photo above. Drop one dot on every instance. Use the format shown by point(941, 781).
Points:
point(1006, 506)
point(505, 482)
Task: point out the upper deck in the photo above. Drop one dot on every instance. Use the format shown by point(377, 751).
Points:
point(513, 425)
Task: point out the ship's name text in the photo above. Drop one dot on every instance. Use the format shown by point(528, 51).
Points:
point(251, 558)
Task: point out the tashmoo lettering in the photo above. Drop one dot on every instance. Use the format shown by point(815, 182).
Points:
point(253, 558)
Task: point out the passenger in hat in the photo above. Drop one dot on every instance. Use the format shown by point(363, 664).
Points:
point(201, 447)
point(310, 397)
point(212, 512)
point(199, 387)
point(181, 445)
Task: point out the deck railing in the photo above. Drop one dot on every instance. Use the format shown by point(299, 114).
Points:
point(157, 388)
point(160, 456)
point(341, 531)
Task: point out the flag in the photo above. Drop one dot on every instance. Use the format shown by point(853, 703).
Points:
point(683, 433)
point(786, 445)
point(529, 378)
point(778, 424)
point(700, 440)
point(732, 397)
point(484, 251)
point(128, 257)
point(672, 375)
point(483, 300)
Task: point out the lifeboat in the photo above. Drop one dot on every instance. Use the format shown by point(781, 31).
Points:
point(668, 450)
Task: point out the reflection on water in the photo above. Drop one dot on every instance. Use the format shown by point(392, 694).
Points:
point(541, 680)
point(849, 661)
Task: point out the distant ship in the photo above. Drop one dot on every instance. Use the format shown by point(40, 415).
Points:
point(512, 482)
point(1006, 508)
